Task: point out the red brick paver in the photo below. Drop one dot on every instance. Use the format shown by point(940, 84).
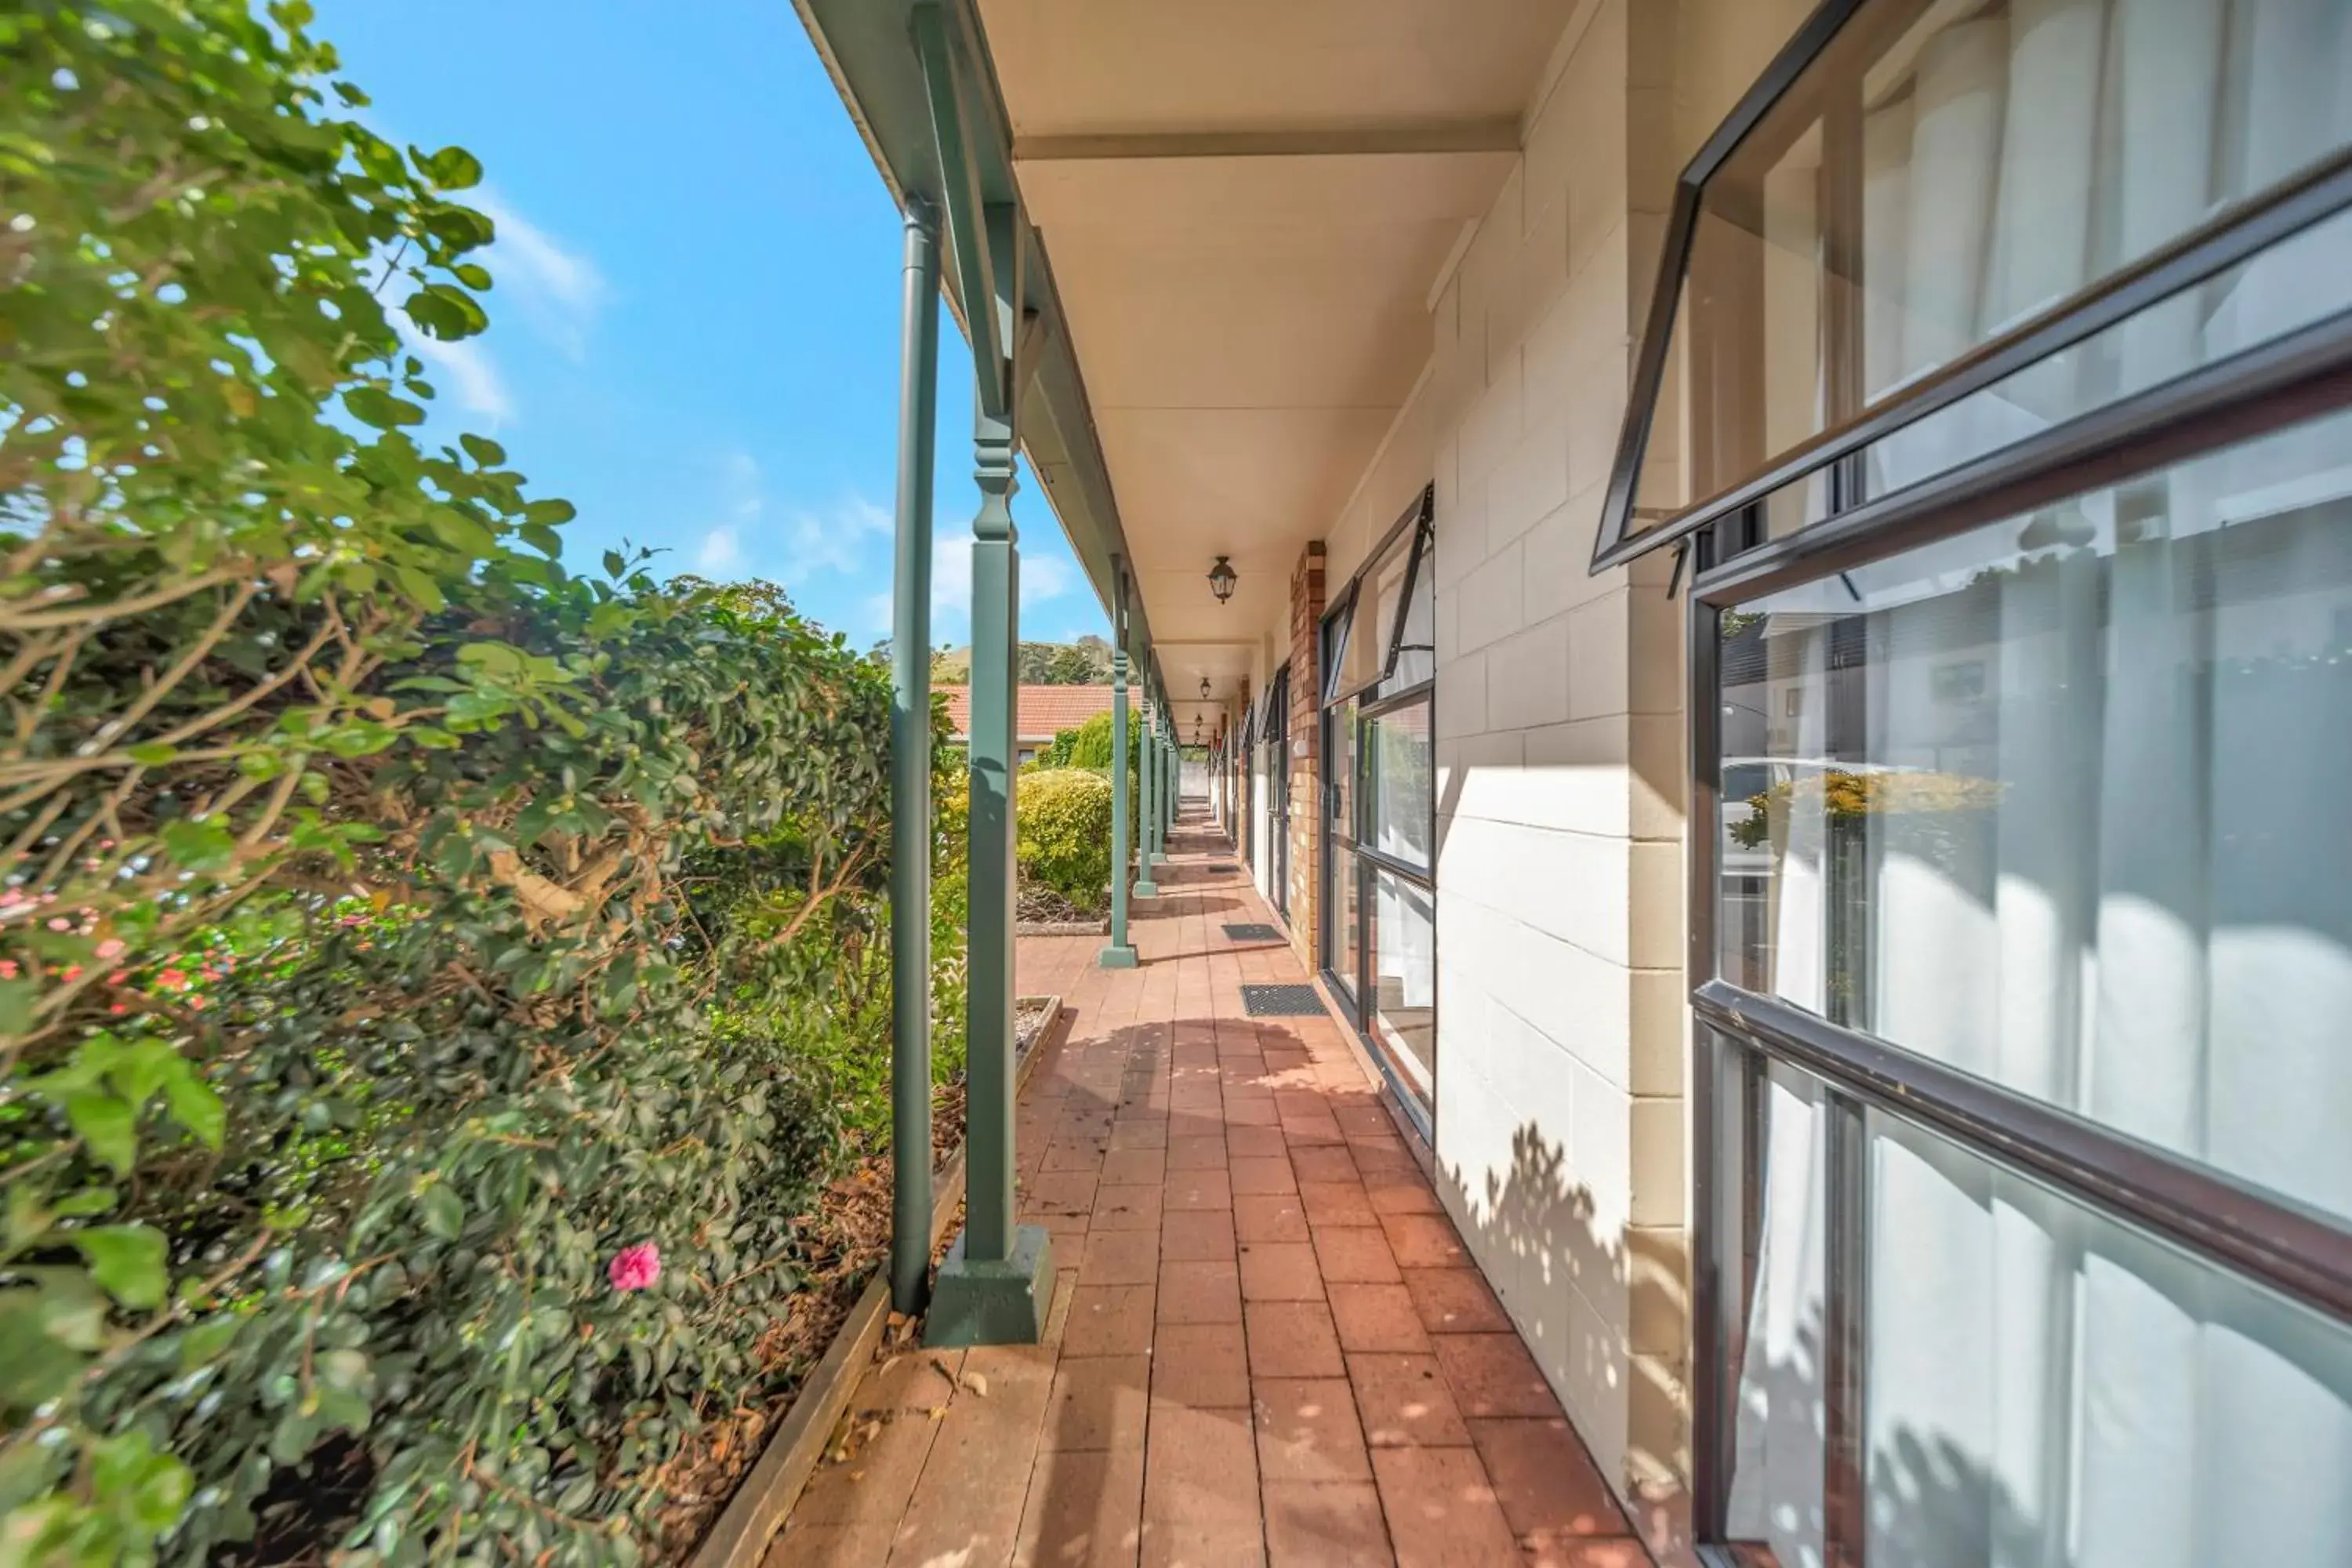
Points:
point(1268, 1345)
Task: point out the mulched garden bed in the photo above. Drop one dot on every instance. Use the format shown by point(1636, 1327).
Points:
point(1045, 911)
point(847, 1237)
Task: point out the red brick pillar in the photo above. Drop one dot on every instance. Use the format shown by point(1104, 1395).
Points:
point(1306, 748)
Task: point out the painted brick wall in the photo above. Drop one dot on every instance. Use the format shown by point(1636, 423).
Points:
point(1561, 1039)
point(1306, 748)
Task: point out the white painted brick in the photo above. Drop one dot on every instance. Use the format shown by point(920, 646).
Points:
point(1490, 600)
point(1527, 673)
point(1598, 676)
point(1577, 776)
point(1591, 1384)
point(1477, 774)
point(1656, 1162)
point(1559, 555)
point(1600, 1144)
point(1580, 1004)
point(1660, 775)
point(1492, 427)
point(1448, 630)
point(1660, 1034)
point(1531, 482)
point(1543, 260)
point(1462, 696)
point(1654, 883)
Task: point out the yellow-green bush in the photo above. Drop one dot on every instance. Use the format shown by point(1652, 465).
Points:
point(1061, 833)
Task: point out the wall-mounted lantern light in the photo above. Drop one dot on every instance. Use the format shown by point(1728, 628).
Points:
point(1204, 688)
point(1221, 578)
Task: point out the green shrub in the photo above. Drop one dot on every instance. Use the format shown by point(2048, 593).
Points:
point(1062, 821)
point(398, 933)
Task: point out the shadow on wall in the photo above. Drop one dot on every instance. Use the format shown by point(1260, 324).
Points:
point(1533, 1231)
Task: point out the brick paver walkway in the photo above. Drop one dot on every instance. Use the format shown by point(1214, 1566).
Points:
point(1268, 1345)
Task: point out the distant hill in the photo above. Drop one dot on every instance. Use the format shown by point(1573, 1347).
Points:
point(1085, 662)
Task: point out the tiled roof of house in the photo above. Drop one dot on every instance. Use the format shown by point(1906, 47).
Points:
point(1045, 709)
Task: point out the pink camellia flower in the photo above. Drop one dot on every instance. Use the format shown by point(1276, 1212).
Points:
point(635, 1268)
point(172, 979)
point(112, 948)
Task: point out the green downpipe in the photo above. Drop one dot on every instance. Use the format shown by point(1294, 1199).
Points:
point(911, 768)
point(1119, 953)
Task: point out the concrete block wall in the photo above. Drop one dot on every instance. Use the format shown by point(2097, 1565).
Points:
point(1561, 1121)
point(1560, 1048)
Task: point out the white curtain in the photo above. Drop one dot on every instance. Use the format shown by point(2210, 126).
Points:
point(2153, 925)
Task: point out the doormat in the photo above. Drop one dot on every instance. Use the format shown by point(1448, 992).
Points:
point(1252, 931)
point(1223, 867)
point(1281, 1002)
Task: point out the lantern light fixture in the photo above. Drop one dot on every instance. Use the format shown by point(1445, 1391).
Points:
point(1204, 688)
point(1221, 578)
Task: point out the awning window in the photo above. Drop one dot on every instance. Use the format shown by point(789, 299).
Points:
point(1919, 242)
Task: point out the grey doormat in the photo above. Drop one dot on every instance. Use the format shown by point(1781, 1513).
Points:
point(1223, 867)
point(1281, 1002)
point(1252, 931)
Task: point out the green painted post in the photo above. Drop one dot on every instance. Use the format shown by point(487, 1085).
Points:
point(1167, 782)
point(910, 771)
point(996, 1285)
point(1159, 784)
point(1117, 953)
point(1147, 832)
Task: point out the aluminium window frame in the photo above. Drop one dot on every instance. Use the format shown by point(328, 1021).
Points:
point(1372, 702)
point(2240, 1230)
point(2244, 1232)
point(2227, 239)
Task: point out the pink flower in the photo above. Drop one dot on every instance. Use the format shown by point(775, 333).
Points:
point(172, 979)
point(197, 1004)
point(635, 1268)
point(112, 948)
point(59, 923)
point(7, 969)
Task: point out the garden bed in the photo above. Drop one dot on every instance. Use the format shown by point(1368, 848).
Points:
point(1049, 911)
point(719, 1499)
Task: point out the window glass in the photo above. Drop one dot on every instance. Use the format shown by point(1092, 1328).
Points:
point(1372, 617)
point(1404, 973)
point(1944, 171)
point(1400, 774)
point(2061, 802)
point(2048, 1388)
point(1336, 628)
point(1779, 1423)
point(1416, 649)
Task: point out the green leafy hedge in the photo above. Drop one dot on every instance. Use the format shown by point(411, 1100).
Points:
point(427, 977)
point(1062, 834)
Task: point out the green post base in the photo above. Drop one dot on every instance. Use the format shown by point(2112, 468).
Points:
point(1145, 888)
point(993, 1303)
point(1114, 955)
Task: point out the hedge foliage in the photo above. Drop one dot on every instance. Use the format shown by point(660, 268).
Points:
point(1062, 834)
point(425, 974)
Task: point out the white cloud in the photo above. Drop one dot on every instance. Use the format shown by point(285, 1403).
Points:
point(833, 539)
point(801, 543)
point(1042, 577)
point(559, 293)
point(467, 369)
point(722, 551)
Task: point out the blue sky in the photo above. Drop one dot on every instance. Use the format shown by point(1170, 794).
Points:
point(694, 324)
